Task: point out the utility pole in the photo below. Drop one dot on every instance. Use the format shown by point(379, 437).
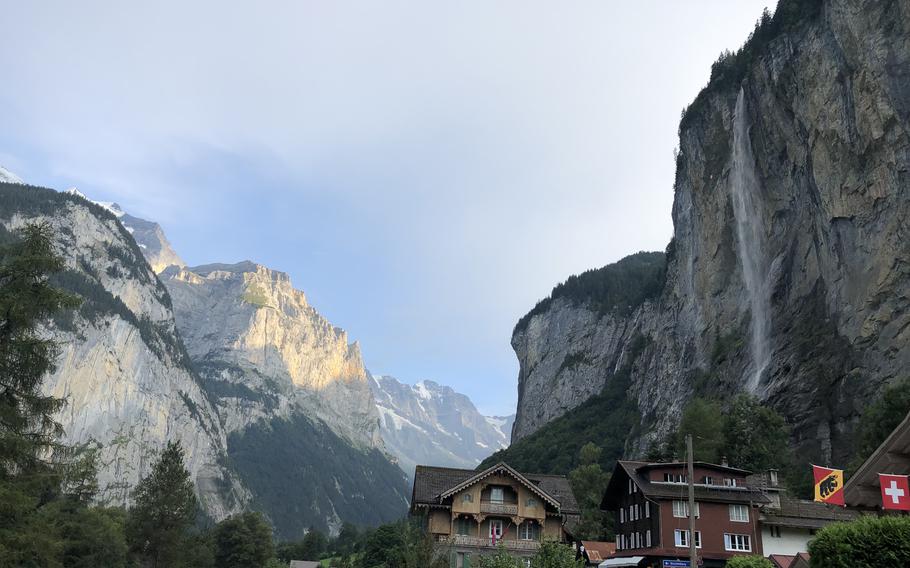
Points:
point(693, 552)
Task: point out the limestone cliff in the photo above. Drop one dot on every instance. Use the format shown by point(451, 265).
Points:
point(122, 368)
point(244, 323)
point(788, 271)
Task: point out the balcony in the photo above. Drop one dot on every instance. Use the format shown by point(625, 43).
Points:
point(486, 542)
point(489, 507)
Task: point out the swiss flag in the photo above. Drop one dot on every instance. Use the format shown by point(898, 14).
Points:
point(895, 491)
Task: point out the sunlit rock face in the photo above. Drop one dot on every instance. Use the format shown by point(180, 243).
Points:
point(824, 111)
point(429, 423)
point(244, 322)
point(128, 383)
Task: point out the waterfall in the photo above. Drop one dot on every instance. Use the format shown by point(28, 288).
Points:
point(750, 240)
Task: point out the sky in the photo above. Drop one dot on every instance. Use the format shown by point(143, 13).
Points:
point(425, 171)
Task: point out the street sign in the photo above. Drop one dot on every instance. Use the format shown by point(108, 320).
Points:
point(676, 563)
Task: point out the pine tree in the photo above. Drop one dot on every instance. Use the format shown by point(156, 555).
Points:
point(589, 481)
point(32, 464)
point(29, 435)
point(164, 508)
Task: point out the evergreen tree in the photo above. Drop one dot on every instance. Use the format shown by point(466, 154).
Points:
point(29, 435)
point(589, 481)
point(755, 436)
point(879, 419)
point(32, 460)
point(703, 419)
point(164, 508)
point(244, 541)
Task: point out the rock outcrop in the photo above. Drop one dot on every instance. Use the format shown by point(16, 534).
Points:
point(428, 423)
point(790, 236)
point(123, 370)
point(244, 323)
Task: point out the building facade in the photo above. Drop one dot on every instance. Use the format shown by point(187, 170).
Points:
point(650, 504)
point(788, 524)
point(473, 512)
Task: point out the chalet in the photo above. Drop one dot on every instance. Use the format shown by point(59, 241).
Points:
point(788, 524)
point(474, 511)
point(862, 490)
point(650, 501)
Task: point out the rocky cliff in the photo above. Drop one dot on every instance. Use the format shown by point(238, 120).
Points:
point(428, 423)
point(123, 370)
point(244, 323)
point(269, 399)
point(787, 273)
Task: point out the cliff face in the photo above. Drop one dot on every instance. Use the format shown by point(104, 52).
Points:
point(269, 399)
point(245, 324)
point(430, 423)
point(787, 274)
point(122, 368)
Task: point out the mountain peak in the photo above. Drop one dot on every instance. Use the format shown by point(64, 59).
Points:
point(7, 176)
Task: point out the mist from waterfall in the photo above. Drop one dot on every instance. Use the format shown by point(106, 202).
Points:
point(750, 238)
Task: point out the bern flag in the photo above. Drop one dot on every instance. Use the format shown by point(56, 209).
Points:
point(829, 485)
point(895, 492)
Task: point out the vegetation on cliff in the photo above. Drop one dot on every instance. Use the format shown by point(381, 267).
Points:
point(732, 66)
point(302, 473)
point(620, 287)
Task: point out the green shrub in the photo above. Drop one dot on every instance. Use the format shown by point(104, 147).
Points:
point(749, 562)
point(867, 541)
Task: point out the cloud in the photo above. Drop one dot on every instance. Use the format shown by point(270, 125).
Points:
point(426, 171)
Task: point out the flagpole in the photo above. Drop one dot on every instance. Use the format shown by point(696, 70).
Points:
point(693, 553)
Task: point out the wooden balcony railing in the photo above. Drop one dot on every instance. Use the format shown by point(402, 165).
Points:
point(498, 508)
point(486, 542)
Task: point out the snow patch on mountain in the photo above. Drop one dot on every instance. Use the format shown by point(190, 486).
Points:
point(7, 176)
point(432, 424)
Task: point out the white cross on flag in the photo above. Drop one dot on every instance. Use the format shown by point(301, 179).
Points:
point(895, 491)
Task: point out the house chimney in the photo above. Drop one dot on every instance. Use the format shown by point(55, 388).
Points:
point(723, 461)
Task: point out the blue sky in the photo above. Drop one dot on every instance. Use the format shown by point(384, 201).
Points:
point(425, 171)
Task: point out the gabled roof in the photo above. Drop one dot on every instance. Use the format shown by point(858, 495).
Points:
point(598, 551)
point(892, 456)
point(431, 482)
point(637, 471)
point(782, 560)
point(499, 469)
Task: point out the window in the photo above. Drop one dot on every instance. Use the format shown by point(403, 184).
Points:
point(529, 530)
point(675, 478)
point(622, 515)
point(531, 503)
point(739, 513)
point(730, 481)
point(709, 480)
point(630, 486)
point(648, 538)
point(465, 527)
point(496, 529)
point(459, 560)
point(681, 510)
point(467, 498)
point(618, 544)
point(631, 514)
point(772, 474)
point(775, 532)
point(681, 538)
point(647, 510)
point(738, 542)
point(497, 495)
